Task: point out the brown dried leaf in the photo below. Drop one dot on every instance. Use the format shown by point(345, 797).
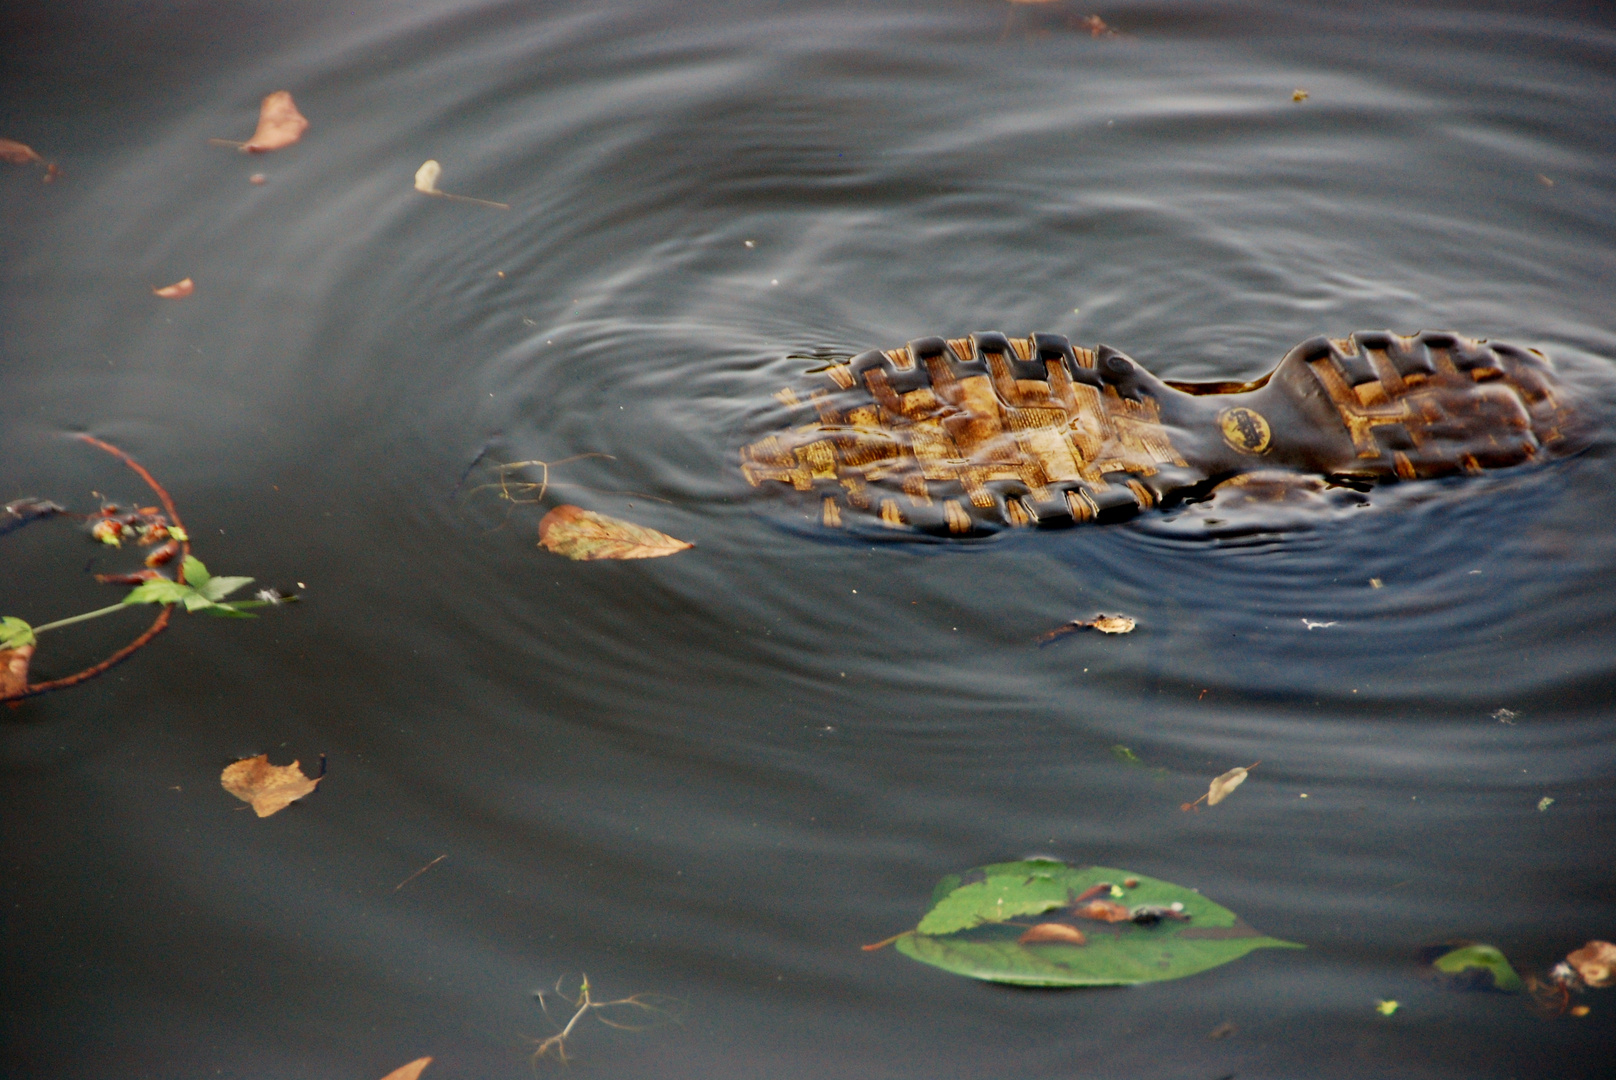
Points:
point(1595, 963)
point(279, 124)
point(584, 534)
point(1053, 932)
point(1103, 910)
point(17, 153)
point(177, 291)
point(270, 788)
point(14, 670)
point(1224, 785)
point(410, 1071)
point(1111, 624)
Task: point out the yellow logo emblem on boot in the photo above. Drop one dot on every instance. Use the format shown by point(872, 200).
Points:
point(1245, 430)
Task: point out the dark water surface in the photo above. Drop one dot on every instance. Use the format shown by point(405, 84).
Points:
point(713, 776)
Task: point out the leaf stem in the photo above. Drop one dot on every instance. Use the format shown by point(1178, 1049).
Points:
point(88, 615)
point(888, 941)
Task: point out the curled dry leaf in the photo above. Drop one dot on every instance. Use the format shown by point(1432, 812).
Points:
point(14, 670)
point(584, 534)
point(17, 153)
point(426, 182)
point(1053, 932)
point(177, 291)
point(1224, 786)
point(410, 1071)
point(1105, 624)
point(269, 788)
point(1595, 963)
point(1103, 911)
point(1111, 624)
point(426, 178)
point(279, 124)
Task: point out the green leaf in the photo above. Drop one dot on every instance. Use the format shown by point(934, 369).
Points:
point(14, 633)
point(196, 575)
point(220, 587)
point(967, 929)
point(160, 591)
point(178, 533)
point(1030, 888)
point(1484, 960)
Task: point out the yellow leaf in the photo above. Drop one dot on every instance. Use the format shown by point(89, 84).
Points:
point(269, 788)
point(426, 178)
point(1386, 1008)
point(426, 182)
point(410, 1071)
point(1224, 785)
point(584, 534)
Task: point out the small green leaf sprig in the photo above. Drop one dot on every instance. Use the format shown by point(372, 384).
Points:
point(200, 591)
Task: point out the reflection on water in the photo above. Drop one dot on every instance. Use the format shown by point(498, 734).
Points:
point(711, 776)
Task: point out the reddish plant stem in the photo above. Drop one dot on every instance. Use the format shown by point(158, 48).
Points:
point(158, 625)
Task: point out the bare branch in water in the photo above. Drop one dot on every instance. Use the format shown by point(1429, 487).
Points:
point(658, 1009)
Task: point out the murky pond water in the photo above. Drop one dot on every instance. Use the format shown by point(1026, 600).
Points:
point(714, 776)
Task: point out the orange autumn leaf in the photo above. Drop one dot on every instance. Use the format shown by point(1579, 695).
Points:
point(269, 788)
point(1103, 911)
point(410, 1071)
point(17, 153)
point(584, 534)
point(1053, 932)
point(14, 670)
point(177, 291)
point(279, 125)
point(1595, 963)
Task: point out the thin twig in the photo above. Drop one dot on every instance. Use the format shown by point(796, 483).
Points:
point(421, 871)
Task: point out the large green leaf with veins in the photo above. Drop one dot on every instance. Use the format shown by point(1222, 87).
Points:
point(976, 918)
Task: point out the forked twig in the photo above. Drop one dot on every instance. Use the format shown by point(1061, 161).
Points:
point(556, 1045)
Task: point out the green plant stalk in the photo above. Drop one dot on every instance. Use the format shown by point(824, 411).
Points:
point(88, 615)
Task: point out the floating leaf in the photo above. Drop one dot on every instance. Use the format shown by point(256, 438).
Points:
point(409, 1072)
point(1224, 786)
point(584, 534)
point(1481, 966)
point(1105, 624)
point(1595, 963)
point(14, 633)
point(1544, 803)
point(14, 668)
point(200, 591)
point(17, 153)
point(279, 125)
point(1111, 624)
point(969, 929)
point(269, 788)
point(1386, 1008)
point(177, 291)
point(426, 182)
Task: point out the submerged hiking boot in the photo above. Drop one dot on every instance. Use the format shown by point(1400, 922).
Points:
point(969, 435)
